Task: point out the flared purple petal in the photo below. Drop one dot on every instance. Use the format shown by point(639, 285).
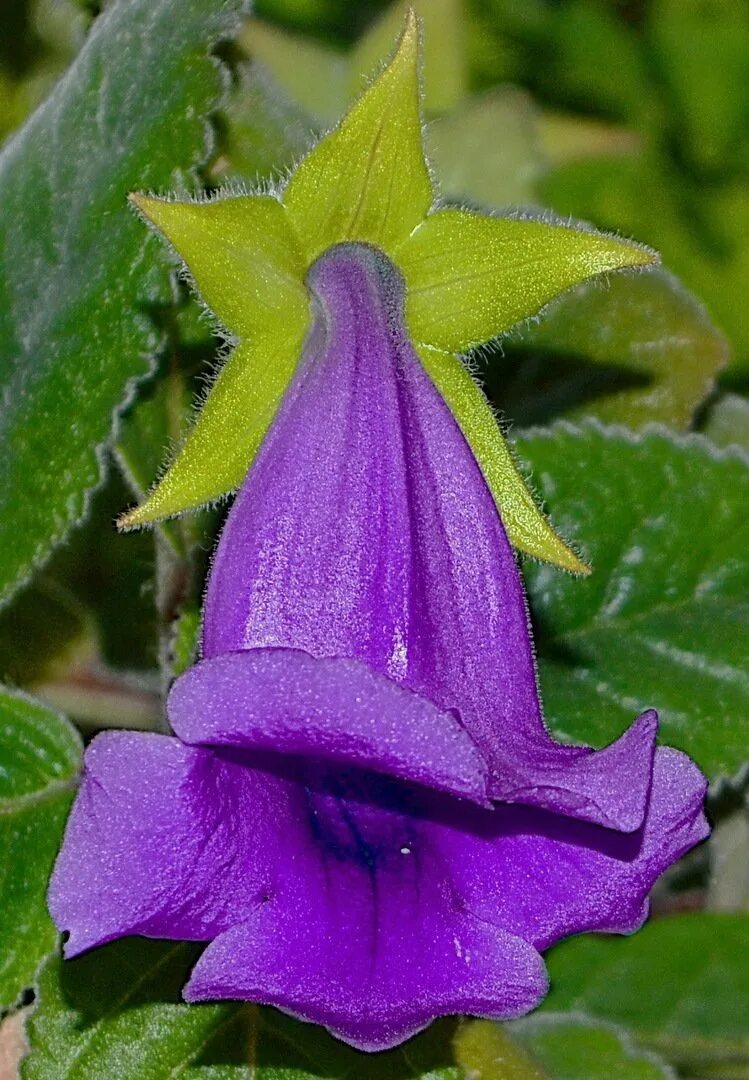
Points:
point(345, 897)
point(169, 841)
point(365, 530)
point(543, 876)
point(373, 954)
point(440, 964)
point(336, 710)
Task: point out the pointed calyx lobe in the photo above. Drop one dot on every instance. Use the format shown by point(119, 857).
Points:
point(469, 278)
point(366, 688)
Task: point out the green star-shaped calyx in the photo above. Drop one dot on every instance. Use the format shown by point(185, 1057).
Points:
point(469, 277)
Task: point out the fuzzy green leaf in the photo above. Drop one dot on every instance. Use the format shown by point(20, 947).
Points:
point(663, 521)
point(116, 1012)
point(680, 985)
point(641, 350)
point(368, 179)
point(40, 754)
point(727, 422)
point(470, 277)
point(574, 1046)
point(77, 272)
point(486, 1050)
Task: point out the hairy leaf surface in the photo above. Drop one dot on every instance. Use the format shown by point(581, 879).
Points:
point(78, 273)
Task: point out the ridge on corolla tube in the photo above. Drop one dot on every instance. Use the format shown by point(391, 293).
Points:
point(365, 531)
point(323, 815)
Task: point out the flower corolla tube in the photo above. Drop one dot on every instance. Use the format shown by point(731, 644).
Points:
point(360, 809)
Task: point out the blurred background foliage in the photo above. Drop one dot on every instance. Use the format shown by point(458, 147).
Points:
point(632, 115)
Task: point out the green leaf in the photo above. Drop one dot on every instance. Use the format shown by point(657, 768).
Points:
point(663, 521)
point(470, 277)
point(77, 272)
point(703, 240)
point(641, 350)
point(527, 528)
point(592, 58)
point(680, 985)
point(262, 133)
point(113, 1012)
point(711, 120)
point(309, 73)
point(40, 754)
point(574, 1046)
point(368, 179)
point(727, 421)
point(116, 1012)
point(488, 149)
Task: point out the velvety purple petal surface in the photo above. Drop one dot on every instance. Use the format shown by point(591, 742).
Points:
point(346, 897)
point(338, 710)
point(384, 966)
point(542, 876)
point(168, 841)
point(365, 530)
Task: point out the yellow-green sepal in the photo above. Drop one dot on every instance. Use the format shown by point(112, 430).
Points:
point(445, 49)
point(470, 277)
point(247, 264)
point(527, 528)
point(368, 180)
point(242, 254)
point(229, 428)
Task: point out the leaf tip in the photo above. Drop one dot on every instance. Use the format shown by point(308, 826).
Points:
point(142, 203)
point(130, 520)
point(616, 253)
point(407, 49)
point(148, 512)
point(162, 214)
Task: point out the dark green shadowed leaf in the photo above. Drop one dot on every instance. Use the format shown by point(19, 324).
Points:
point(680, 985)
point(116, 1012)
point(710, 119)
point(39, 757)
point(702, 237)
point(662, 519)
point(640, 349)
point(78, 272)
point(571, 1047)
